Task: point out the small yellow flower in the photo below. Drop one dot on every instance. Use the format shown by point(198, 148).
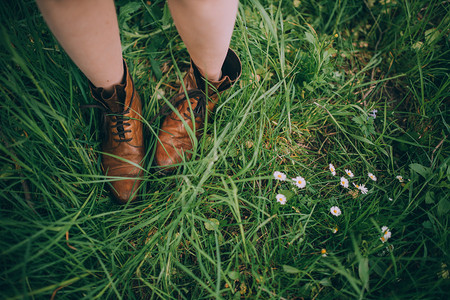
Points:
point(323, 252)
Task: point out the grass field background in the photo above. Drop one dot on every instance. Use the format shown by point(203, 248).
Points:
point(362, 85)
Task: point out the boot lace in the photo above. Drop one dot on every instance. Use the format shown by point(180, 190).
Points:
point(176, 100)
point(120, 124)
point(118, 121)
point(198, 94)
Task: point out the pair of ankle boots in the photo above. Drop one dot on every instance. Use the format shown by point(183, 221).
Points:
point(123, 148)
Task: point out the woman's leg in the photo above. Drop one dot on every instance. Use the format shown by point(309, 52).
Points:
point(206, 27)
point(89, 33)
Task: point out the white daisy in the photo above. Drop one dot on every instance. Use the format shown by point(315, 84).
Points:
point(323, 252)
point(400, 178)
point(386, 234)
point(363, 189)
point(279, 176)
point(349, 173)
point(371, 176)
point(344, 182)
point(332, 169)
point(299, 181)
point(390, 199)
point(281, 199)
point(335, 229)
point(335, 211)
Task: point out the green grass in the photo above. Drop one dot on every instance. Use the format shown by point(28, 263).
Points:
point(312, 73)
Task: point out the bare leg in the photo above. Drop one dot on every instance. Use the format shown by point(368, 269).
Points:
point(89, 33)
point(206, 27)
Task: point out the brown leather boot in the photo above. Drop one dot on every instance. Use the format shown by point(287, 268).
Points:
point(174, 141)
point(122, 137)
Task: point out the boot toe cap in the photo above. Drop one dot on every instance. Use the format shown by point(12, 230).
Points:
point(167, 158)
point(125, 190)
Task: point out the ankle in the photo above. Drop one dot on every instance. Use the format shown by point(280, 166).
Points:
point(214, 76)
point(108, 91)
point(108, 85)
point(210, 75)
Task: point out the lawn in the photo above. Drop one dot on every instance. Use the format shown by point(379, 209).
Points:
point(350, 98)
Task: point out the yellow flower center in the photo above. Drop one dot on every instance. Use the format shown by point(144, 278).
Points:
point(343, 182)
point(335, 211)
point(382, 238)
point(386, 232)
point(279, 175)
point(323, 251)
point(299, 182)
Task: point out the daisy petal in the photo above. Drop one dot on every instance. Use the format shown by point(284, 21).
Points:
point(279, 176)
point(335, 211)
point(299, 181)
point(281, 199)
point(344, 182)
